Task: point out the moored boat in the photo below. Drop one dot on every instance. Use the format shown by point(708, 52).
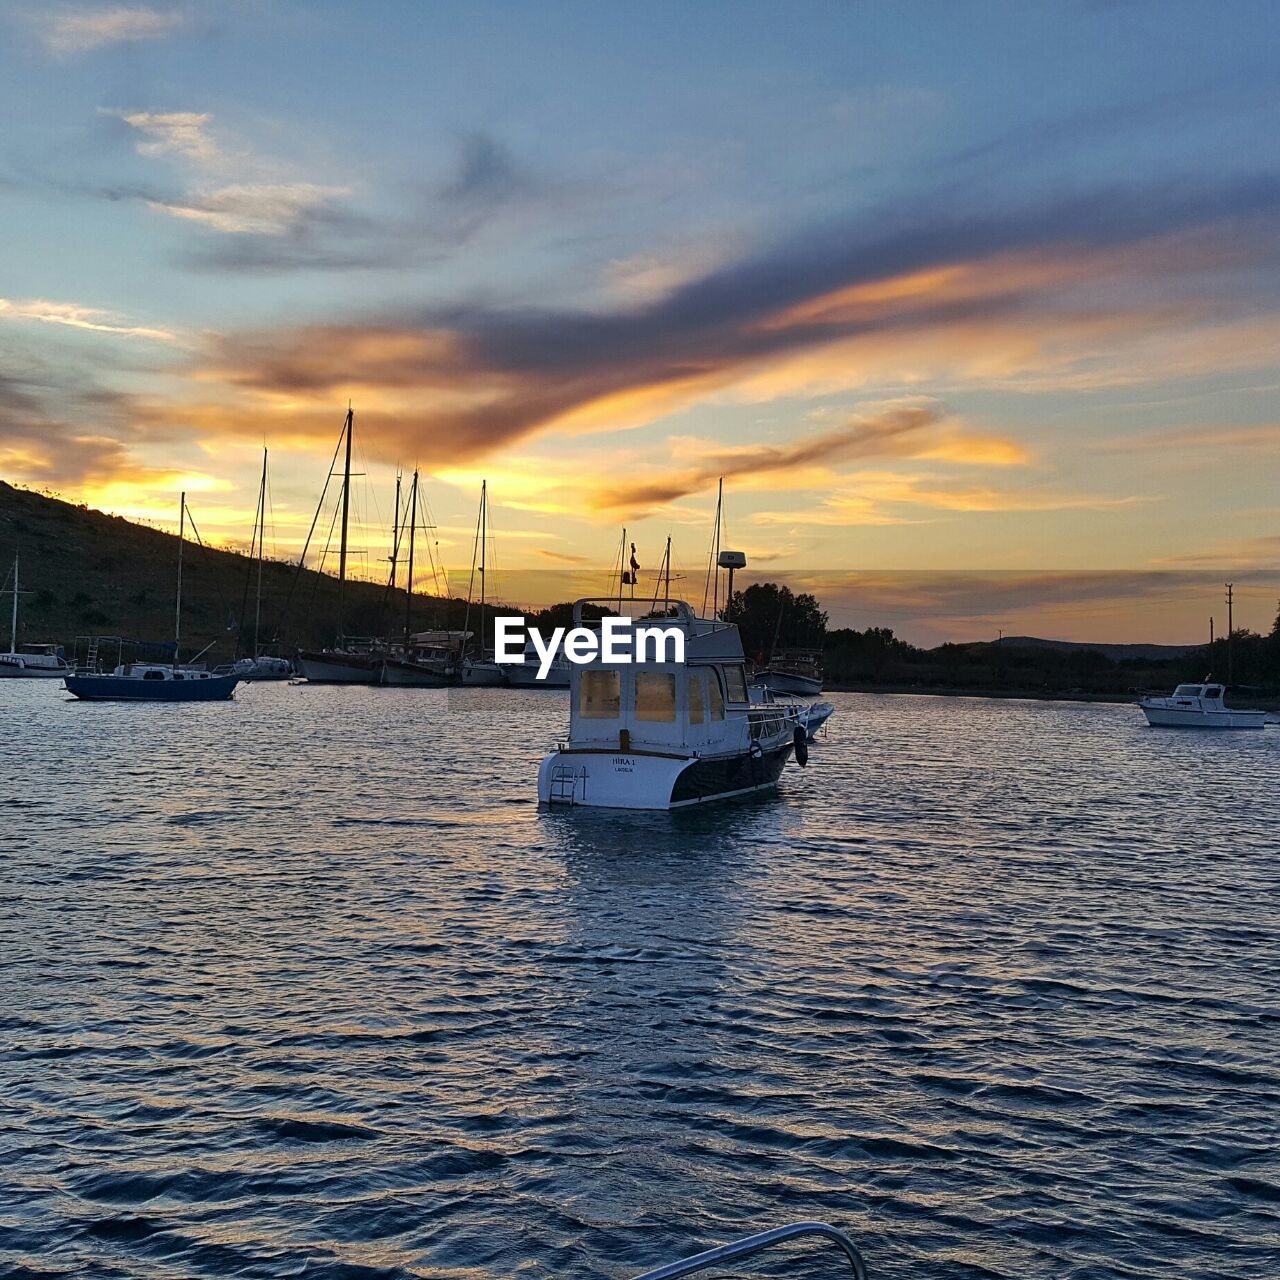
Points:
point(525, 675)
point(794, 671)
point(1198, 706)
point(667, 735)
point(483, 671)
point(31, 661)
point(154, 681)
point(340, 666)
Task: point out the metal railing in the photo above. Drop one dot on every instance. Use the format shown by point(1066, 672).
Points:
point(750, 1245)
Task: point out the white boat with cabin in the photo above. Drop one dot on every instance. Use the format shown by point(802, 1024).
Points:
point(1199, 706)
point(31, 661)
point(668, 735)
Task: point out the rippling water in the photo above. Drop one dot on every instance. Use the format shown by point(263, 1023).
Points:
point(306, 985)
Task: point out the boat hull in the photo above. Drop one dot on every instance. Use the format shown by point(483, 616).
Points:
point(103, 688)
point(791, 682)
point(636, 780)
point(815, 716)
point(21, 671)
point(1193, 718)
point(412, 675)
point(484, 674)
point(339, 668)
point(525, 676)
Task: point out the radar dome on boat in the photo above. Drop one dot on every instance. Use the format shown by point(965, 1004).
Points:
point(732, 560)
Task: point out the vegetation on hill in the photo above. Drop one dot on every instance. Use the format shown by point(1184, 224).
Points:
point(87, 573)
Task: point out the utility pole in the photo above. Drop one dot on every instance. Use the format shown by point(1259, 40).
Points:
point(1230, 625)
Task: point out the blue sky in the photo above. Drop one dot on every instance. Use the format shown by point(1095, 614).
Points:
point(936, 286)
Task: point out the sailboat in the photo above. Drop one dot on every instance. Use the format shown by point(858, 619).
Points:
point(343, 664)
point(481, 669)
point(36, 661)
point(259, 665)
point(426, 660)
point(154, 681)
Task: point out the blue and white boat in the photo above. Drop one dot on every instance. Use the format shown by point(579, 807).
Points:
point(154, 681)
point(668, 735)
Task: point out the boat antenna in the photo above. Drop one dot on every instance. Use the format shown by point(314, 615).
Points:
point(346, 507)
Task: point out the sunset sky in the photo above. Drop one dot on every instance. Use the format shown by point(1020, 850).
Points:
point(987, 287)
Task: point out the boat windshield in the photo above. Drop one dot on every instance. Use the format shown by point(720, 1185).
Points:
point(1188, 691)
point(1213, 692)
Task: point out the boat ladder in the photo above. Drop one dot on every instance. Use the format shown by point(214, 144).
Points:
point(91, 658)
point(758, 1243)
point(564, 784)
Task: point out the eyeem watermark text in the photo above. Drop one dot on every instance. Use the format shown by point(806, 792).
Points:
point(611, 640)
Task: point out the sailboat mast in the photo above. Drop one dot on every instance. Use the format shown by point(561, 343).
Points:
point(177, 608)
point(346, 508)
point(622, 566)
point(262, 528)
point(413, 537)
point(667, 563)
point(484, 541)
point(13, 630)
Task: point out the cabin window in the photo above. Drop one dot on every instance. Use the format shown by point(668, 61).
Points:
point(656, 696)
point(735, 684)
point(153, 675)
point(599, 695)
point(1213, 693)
point(697, 697)
point(717, 698)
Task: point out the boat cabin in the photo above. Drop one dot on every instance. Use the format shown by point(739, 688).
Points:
point(1184, 693)
point(698, 705)
point(159, 671)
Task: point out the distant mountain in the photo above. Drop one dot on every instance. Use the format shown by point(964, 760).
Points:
point(1116, 652)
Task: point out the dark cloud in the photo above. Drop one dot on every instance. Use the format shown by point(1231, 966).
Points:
point(516, 370)
point(892, 432)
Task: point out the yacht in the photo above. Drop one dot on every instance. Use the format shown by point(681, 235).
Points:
point(666, 735)
point(32, 661)
point(1198, 706)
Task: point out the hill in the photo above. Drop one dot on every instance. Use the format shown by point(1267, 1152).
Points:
point(87, 573)
point(1116, 652)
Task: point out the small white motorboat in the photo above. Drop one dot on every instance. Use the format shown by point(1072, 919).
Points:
point(1198, 706)
point(667, 735)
